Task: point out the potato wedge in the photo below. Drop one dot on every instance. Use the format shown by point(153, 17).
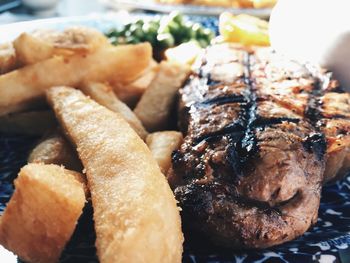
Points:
point(30, 123)
point(104, 95)
point(76, 38)
point(42, 213)
point(18, 89)
point(30, 50)
point(8, 58)
point(130, 93)
point(157, 102)
point(43, 44)
point(135, 212)
point(55, 149)
point(162, 145)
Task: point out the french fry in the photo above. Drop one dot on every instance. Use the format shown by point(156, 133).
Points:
point(30, 123)
point(19, 88)
point(104, 95)
point(162, 145)
point(156, 103)
point(42, 213)
point(130, 93)
point(264, 3)
point(77, 38)
point(30, 50)
point(55, 149)
point(8, 59)
point(41, 45)
point(135, 213)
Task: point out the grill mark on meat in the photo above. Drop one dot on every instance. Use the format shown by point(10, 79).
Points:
point(235, 129)
point(243, 145)
point(315, 142)
point(244, 148)
point(233, 98)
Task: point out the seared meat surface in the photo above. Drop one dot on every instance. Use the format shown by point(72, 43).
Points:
point(262, 136)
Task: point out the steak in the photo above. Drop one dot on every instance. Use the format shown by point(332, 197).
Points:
point(262, 135)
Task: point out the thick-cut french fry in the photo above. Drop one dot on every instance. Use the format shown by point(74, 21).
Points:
point(104, 95)
point(162, 144)
point(77, 38)
point(132, 92)
point(135, 212)
point(156, 104)
point(123, 64)
point(42, 213)
point(8, 59)
point(31, 123)
point(30, 50)
point(55, 149)
point(41, 45)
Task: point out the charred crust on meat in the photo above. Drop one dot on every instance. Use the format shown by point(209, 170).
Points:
point(250, 169)
point(317, 144)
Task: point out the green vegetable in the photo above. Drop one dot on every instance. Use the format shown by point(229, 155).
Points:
point(161, 32)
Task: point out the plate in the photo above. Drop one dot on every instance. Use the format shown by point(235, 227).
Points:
point(328, 241)
point(185, 9)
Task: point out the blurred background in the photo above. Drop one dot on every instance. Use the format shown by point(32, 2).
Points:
point(21, 10)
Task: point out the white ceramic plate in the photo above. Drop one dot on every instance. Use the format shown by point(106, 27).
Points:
point(185, 9)
point(101, 22)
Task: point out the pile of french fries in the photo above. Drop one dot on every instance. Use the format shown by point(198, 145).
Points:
point(95, 106)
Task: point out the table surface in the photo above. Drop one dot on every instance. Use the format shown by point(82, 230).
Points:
point(63, 8)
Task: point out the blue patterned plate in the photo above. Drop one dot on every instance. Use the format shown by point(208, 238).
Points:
point(328, 241)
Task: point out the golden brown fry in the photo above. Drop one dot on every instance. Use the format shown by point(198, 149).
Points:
point(135, 212)
point(41, 45)
point(156, 104)
point(104, 95)
point(19, 88)
point(42, 213)
point(162, 145)
point(55, 149)
point(264, 3)
point(31, 123)
point(130, 93)
point(8, 59)
point(30, 50)
point(77, 38)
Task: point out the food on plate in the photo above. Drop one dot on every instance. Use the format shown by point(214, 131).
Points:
point(8, 59)
point(245, 29)
point(225, 3)
point(130, 93)
point(185, 53)
point(42, 213)
point(259, 131)
point(55, 149)
point(162, 33)
point(337, 130)
point(77, 39)
point(156, 104)
point(31, 122)
point(263, 3)
point(30, 50)
point(104, 95)
point(135, 213)
point(162, 144)
point(122, 64)
point(43, 44)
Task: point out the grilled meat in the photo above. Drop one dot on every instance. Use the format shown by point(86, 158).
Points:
point(262, 136)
